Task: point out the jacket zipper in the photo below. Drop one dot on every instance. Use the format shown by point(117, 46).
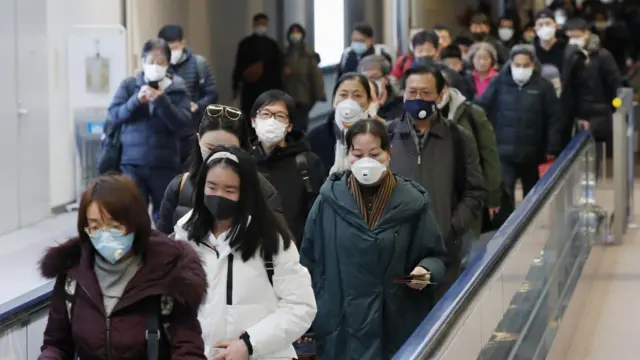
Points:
point(108, 338)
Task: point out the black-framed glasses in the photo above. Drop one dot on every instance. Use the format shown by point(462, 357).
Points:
point(228, 111)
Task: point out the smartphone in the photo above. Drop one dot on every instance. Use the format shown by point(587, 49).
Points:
point(405, 280)
point(154, 84)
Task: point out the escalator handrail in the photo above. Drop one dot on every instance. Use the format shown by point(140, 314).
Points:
point(25, 303)
point(433, 328)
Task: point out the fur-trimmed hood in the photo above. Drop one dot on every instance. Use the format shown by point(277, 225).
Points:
point(170, 268)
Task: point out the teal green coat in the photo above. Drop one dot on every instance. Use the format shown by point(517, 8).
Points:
point(362, 313)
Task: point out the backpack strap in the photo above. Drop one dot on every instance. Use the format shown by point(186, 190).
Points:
point(70, 285)
point(268, 265)
point(474, 127)
point(458, 159)
point(303, 168)
point(201, 68)
point(185, 176)
point(153, 331)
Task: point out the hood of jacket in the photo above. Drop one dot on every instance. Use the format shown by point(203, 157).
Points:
point(455, 100)
point(407, 199)
point(296, 143)
point(170, 268)
point(593, 44)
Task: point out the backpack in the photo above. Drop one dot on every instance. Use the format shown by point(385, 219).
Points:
point(458, 155)
point(303, 168)
point(156, 316)
point(201, 68)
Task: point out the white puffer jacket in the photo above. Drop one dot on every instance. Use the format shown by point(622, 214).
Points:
point(273, 316)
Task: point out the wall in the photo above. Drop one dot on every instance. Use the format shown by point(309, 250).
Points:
point(61, 15)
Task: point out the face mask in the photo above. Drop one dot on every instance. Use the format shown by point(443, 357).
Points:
point(260, 30)
point(521, 75)
point(479, 36)
point(368, 171)
point(546, 33)
point(560, 20)
point(601, 25)
point(112, 245)
point(445, 100)
point(270, 131)
point(420, 109)
point(295, 38)
point(505, 34)
point(579, 42)
point(360, 47)
point(153, 72)
point(176, 55)
point(347, 113)
point(424, 61)
point(373, 110)
point(220, 207)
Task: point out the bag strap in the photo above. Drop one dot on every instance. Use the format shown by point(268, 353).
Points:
point(303, 168)
point(70, 286)
point(458, 159)
point(201, 68)
point(153, 331)
point(474, 128)
point(268, 265)
point(185, 176)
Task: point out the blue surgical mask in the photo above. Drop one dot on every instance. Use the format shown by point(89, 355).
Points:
point(111, 244)
point(360, 47)
point(420, 109)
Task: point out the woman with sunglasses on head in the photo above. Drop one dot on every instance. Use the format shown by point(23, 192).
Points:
point(373, 248)
point(259, 299)
point(283, 157)
point(220, 126)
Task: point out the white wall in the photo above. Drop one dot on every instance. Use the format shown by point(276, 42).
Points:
point(61, 15)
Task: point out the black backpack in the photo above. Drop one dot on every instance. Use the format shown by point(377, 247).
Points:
point(303, 168)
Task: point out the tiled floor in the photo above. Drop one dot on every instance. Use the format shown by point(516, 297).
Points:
point(605, 322)
point(21, 250)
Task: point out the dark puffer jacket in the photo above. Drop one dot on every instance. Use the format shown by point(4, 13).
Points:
point(177, 204)
point(149, 132)
point(526, 119)
point(169, 268)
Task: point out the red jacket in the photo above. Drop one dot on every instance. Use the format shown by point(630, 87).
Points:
point(169, 268)
point(403, 63)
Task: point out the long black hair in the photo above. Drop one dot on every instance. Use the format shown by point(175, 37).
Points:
point(262, 232)
point(221, 122)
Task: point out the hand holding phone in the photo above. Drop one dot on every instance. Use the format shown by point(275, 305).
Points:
point(418, 279)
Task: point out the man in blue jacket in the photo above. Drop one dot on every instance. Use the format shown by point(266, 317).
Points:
point(151, 111)
point(196, 73)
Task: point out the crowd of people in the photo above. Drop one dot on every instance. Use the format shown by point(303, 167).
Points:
point(267, 236)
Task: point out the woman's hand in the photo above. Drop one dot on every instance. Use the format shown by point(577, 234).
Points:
point(420, 278)
point(235, 350)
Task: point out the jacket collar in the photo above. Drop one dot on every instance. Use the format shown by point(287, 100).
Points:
point(456, 100)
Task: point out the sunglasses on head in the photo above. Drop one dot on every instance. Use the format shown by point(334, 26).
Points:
point(228, 111)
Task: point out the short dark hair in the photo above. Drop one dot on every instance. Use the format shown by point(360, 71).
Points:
point(171, 33)
point(272, 97)
point(262, 234)
point(441, 27)
point(480, 19)
point(353, 76)
point(222, 121)
point(260, 16)
point(156, 44)
point(369, 126)
point(426, 70)
point(544, 14)
point(576, 24)
point(299, 27)
point(425, 36)
point(463, 40)
point(451, 51)
point(120, 197)
point(364, 29)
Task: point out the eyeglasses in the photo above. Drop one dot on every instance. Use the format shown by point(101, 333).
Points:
point(228, 111)
point(265, 114)
point(92, 229)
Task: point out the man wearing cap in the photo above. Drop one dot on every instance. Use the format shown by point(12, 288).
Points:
point(525, 112)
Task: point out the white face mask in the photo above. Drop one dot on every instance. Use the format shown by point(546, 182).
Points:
point(176, 55)
point(270, 131)
point(579, 42)
point(445, 100)
point(153, 72)
point(546, 33)
point(505, 34)
point(521, 75)
point(368, 171)
point(347, 112)
point(260, 30)
point(373, 110)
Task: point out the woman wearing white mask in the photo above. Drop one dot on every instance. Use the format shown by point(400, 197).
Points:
point(351, 102)
point(283, 157)
point(150, 111)
point(373, 248)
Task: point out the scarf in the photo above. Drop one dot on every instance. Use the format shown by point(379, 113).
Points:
point(379, 200)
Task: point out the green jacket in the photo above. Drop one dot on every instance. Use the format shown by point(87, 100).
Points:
point(463, 112)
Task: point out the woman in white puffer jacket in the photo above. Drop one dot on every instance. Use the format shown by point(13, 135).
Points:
point(259, 298)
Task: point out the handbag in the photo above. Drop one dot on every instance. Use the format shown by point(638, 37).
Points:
point(110, 150)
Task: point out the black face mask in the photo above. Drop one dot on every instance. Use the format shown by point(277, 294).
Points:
point(424, 60)
point(220, 207)
point(479, 36)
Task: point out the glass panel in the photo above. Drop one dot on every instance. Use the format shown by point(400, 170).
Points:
point(517, 313)
point(22, 339)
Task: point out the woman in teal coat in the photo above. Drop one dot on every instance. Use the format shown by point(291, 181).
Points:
point(368, 232)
